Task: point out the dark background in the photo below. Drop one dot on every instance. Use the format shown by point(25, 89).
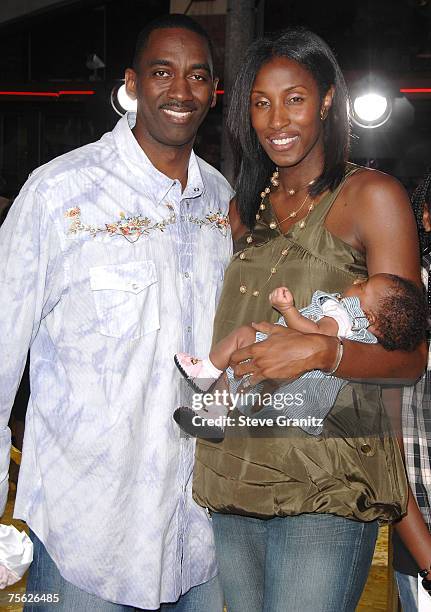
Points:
point(48, 50)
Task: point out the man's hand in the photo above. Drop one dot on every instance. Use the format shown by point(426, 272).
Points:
point(286, 354)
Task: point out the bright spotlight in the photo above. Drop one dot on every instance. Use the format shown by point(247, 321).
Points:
point(370, 107)
point(121, 101)
point(371, 110)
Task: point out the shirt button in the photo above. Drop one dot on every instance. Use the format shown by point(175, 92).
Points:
point(135, 286)
point(366, 449)
point(186, 274)
point(196, 189)
point(189, 328)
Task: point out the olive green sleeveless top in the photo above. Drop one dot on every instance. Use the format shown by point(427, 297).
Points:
point(354, 469)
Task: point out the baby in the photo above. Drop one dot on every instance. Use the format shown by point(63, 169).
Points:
point(383, 308)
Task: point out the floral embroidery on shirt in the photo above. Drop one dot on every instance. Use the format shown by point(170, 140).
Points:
point(132, 228)
point(217, 220)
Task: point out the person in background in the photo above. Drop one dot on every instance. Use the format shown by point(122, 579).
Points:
point(416, 425)
point(112, 256)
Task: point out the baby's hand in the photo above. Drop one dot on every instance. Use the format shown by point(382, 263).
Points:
point(281, 298)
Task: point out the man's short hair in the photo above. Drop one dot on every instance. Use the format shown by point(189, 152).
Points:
point(175, 20)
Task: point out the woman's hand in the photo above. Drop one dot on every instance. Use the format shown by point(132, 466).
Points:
point(286, 354)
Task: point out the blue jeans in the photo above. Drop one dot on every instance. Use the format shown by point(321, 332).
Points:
point(44, 577)
point(305, 563)
point(408, 591)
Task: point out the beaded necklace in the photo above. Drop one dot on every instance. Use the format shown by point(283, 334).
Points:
point(274, 223)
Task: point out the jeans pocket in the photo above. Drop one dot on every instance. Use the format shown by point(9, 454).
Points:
point(126, 298)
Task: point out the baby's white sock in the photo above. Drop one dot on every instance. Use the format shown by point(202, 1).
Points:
point(209, 370)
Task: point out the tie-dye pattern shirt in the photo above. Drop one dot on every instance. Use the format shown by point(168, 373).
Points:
point(108, 270)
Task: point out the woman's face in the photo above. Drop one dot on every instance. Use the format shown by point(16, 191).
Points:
point(285, 111)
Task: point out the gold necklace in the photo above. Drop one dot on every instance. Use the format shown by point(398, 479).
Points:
point(256, 292)
point(273, 224)
point(293, 214)
point(275, 182)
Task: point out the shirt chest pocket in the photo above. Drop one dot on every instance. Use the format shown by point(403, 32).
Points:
point(126, 298)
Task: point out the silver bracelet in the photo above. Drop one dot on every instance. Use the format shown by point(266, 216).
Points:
point(338, 359)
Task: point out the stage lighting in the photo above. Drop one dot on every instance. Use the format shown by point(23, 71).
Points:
point(371, 109)
point(121, 101)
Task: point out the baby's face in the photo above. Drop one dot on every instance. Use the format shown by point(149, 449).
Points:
point(369, 291)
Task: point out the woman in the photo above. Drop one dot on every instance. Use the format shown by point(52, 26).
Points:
point(295, 517)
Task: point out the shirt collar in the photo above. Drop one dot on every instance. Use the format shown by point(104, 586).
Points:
point(137, 161)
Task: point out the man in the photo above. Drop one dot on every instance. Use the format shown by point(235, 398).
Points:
point(112, 260)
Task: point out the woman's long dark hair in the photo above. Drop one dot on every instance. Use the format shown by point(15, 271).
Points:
point(253, 168)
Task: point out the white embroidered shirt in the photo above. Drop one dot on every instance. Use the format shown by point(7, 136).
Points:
point(107, 270)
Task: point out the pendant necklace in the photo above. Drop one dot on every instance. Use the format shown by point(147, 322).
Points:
point(243, 288)
point(274, 180)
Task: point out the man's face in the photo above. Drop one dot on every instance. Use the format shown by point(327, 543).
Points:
point(173, 85)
